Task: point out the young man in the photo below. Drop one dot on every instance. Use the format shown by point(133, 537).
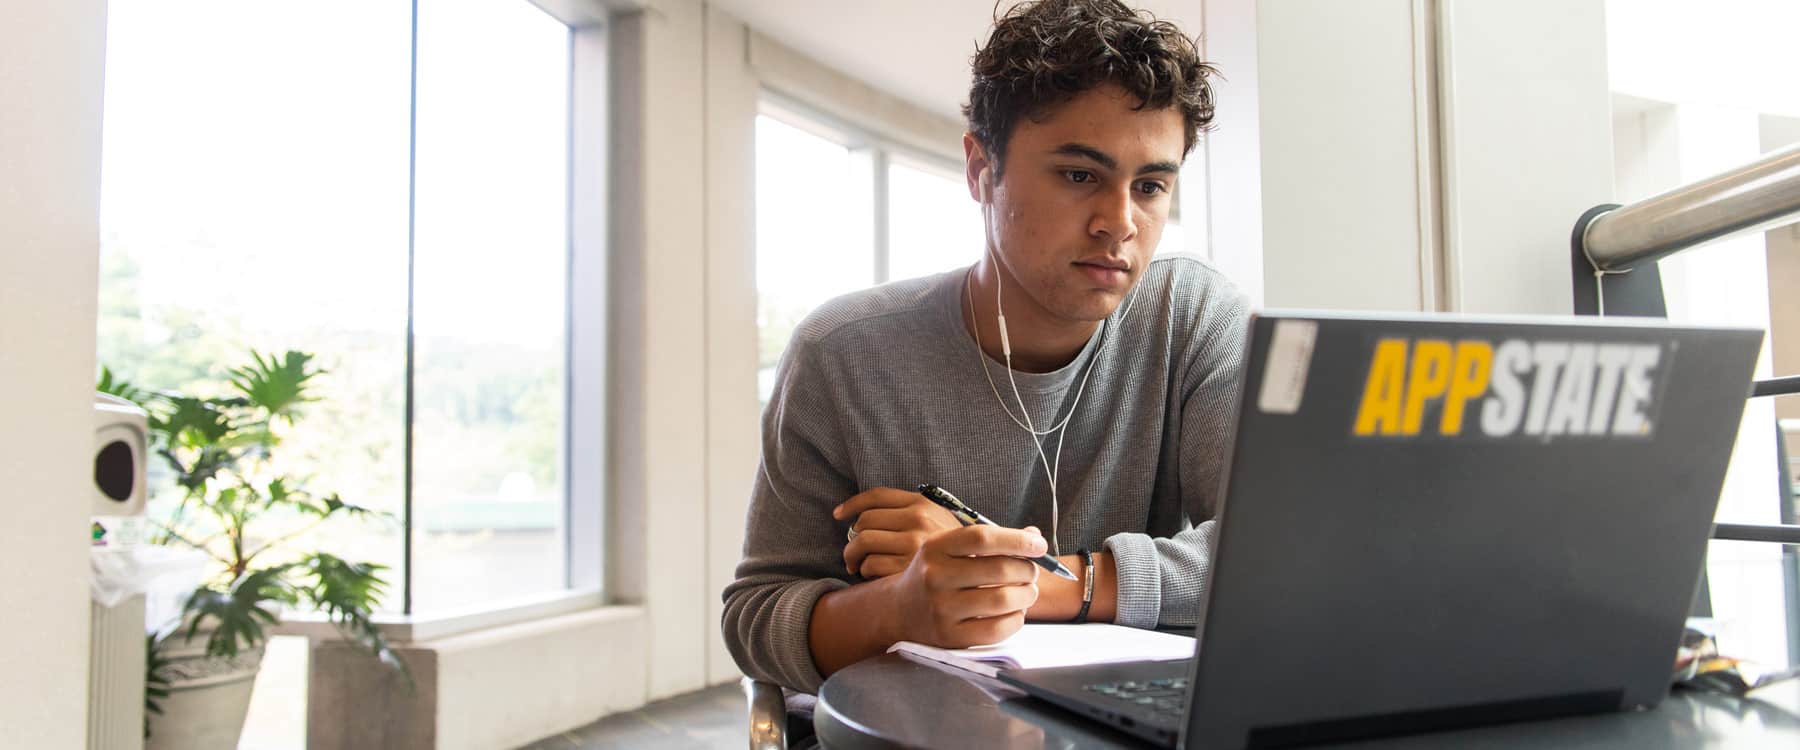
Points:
point(1067, 386)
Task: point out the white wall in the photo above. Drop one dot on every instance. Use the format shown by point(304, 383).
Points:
point(1421, 155)
point(491, 687)
point(1341, 147)
point(51, 65)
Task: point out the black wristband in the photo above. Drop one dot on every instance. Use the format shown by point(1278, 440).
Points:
point(1087, 584)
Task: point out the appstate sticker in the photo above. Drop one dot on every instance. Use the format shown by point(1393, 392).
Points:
point(1284, 373)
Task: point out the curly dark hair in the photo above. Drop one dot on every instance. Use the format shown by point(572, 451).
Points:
point(1045, 52)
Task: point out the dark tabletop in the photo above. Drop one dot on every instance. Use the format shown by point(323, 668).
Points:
point(893, 701)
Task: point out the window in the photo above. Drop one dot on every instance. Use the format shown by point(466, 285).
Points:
point(284, 189)
point(812, 236)
point(933, 226)
point(490, 254)
point(1678, 124)
point(839, 210)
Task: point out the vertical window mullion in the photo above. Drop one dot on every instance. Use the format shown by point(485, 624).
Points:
point(412, 167)
point(587, 423)
point(569, 514)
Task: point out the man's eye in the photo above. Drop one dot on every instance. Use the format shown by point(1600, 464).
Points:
point(1079, 177)
point(1151, 188)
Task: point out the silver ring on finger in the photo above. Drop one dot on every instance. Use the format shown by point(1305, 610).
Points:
point(850, 535)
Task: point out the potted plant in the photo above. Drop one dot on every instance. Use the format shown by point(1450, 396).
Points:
point(235, 505)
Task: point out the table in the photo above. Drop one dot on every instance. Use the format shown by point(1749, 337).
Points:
point(894, 701)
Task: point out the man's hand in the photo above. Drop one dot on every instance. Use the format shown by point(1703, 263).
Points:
point(891, 525)
point(969, 586)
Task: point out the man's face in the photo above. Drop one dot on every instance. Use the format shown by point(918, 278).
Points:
point(1081, 203)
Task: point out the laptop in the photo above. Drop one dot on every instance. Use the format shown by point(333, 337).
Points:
point(1433, 522)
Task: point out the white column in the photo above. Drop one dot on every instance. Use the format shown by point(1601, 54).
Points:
point(52, 59)
point(658, 553)
point(733, 414)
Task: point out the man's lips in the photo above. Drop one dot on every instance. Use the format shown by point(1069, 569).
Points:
point(1104, 272)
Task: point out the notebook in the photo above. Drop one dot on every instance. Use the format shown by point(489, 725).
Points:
point(1036, 646)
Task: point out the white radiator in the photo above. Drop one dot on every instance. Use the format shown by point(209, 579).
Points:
point(116, 676)
point(116, 640)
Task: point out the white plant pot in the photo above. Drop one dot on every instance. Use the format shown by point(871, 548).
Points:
point(208, 697)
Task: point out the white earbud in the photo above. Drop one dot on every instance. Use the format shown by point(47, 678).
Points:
point(984, 183)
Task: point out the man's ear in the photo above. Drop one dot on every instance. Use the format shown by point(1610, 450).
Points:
point(977, 169)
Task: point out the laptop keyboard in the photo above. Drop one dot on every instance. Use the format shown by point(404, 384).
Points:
point(1165, 696)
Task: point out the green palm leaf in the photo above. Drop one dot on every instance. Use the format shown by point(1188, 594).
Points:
point(241, 612)
point(347, 592)
point(278, 387)
point(156, 680)
point(114, 385)
point(187, 421)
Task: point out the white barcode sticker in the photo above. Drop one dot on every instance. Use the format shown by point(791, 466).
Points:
point(1284, 372)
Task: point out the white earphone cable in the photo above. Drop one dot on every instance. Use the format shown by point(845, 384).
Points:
point(1050, 471)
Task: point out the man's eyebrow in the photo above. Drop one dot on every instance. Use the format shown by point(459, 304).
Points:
point(1160, 166)
point(1084, 151)
point(1090, 153)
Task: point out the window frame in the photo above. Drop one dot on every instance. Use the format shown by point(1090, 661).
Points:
point(586, 414)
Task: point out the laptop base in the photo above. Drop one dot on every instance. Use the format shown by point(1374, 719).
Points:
point(1147, 699)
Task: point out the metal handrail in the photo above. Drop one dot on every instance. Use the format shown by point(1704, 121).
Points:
point(1757, 196)
point(1775, 386)
point(1760, 195)
point(1754, 532)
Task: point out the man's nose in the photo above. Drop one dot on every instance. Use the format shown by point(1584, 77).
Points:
point(1114, 216)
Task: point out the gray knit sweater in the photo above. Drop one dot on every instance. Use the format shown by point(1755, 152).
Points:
point(883, 388)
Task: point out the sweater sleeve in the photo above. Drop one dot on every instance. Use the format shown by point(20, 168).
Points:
point(793, 548)
point(1161, 581)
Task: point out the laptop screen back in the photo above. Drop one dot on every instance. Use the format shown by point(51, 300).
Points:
point(1431, 522)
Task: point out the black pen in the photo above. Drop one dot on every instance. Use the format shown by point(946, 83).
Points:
point(971, 517)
